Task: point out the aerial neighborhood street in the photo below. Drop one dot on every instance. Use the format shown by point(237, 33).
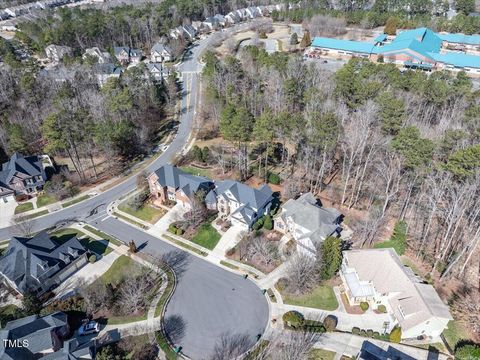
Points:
point(187, 180)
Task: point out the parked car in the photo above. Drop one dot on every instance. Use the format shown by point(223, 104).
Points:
point(91, 327)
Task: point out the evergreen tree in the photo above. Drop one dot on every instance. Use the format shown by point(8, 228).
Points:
point(306, 40)
point(391, 113)
point(294, 39)
point(331, 257)
point(391, 26)
point(31, 303)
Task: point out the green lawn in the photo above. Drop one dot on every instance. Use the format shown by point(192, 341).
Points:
point(74, 201)
point(36, 214)
point(322, 297)
point(165, 295)
point(120, 268)
point(388, 244)
point(163, 344)
point(206, 236)
point(115, 320)
point(23, 207)
point(197, 171)
point(146, 212)
point(186, 246)
point(321, 354)
point(127, 219)
point(454, 333)
point(98, 246)
point(43, 200)
point(103, 235)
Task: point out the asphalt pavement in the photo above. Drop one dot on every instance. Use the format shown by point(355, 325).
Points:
point(208, 301)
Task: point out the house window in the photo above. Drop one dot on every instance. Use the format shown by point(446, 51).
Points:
point(171, 196)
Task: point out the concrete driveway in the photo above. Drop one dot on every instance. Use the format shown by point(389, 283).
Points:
point(7, 210)
point(86, 275)
point(174, 214)
point(231, 238)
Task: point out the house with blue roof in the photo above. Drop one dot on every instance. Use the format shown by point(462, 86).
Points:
point(419, 48)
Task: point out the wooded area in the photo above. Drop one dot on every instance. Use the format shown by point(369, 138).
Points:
point(391, 145)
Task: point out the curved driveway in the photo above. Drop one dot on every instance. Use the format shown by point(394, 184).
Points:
point(208, 301)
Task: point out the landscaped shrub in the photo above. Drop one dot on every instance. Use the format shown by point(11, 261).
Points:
point(179, 232)
point(363, 333)
point(268, 223)
point(172, 228)
point(356, 331)
point(293, 319)
point(92, 258)
point(382, 308)
point(467, 352)
point(364, 306)
point(376, 335)
point(396, 335)
point(230, 252)
point(330, 323)
point(370, 333)
point(282, 284)
point(258, 224)
point(273, 178)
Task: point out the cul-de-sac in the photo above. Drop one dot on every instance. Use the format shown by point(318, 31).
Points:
point(240, 180)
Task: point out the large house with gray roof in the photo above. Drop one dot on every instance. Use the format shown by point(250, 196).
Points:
point(21, 175)
point(171, 184)
point(40, 263)
point(308, 223)
point(377, 276)
point(35, 337)
point(240, 203)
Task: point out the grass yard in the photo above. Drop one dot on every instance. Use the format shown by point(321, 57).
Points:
point(115, 320)
point(454, 333)
point(186, 246)
point(206, 236)
point(127, 219)
point(74, 201)
point(322, 297)
point(63, 235)
point(165, 295)
point(37, 214)
point(388, 244)
point(197, 171)
point(44, 200)
point(23, 207)
point(120, 268)
point(103, 235)
point(146, 212)
point(163, 344)
point(321, 354)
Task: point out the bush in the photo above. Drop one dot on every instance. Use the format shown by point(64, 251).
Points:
point(396, 335)
point(376, 335)
point(467, 352)
point(268, 223)
point(364, 306)
point(330, 323)
point(382, 308)
point(258, 225)
point(92, 258)
point(179, 232)
point(230, 252)
point(273, 178)
point(363, 333)
point(282, 284)
point(172, 228)
point(293, 319)
point(356, 331)
point(370, 333)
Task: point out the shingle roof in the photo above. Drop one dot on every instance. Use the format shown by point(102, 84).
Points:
point(174, 177)
point(27, 262)
point(159, 48)
point(246, 195)
point(383, 268)
point(28, 166)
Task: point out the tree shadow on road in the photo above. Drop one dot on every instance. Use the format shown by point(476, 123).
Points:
point(178, 260)
point(175, 326)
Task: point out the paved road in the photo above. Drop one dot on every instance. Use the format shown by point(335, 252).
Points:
point(208, 301)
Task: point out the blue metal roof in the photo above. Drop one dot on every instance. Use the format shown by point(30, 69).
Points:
point(380, 38)
point(458, 59)
point(345, 45)
point(461, 38)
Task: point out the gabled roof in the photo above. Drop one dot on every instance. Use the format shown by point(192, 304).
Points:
point(460, 38)
point(25, 166)
point(118, 49)
point(174, 177)
point(246, 195)
point(107, 69)
point(160, 48)
point(29, 261)
point(386, 273)
point(305, 212)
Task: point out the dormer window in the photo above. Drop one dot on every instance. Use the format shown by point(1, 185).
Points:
point(44, 265)
point(72, 251)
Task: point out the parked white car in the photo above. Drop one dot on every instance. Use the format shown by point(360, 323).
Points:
point(91, 327)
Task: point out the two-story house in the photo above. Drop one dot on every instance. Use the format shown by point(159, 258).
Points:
point(242, 204)
point(377, 276)
point(171, 184)
point(21, 175)
point(35, 337)
point(307, 222)
point(125, 55)
point(40, 263)
point(160, 53)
